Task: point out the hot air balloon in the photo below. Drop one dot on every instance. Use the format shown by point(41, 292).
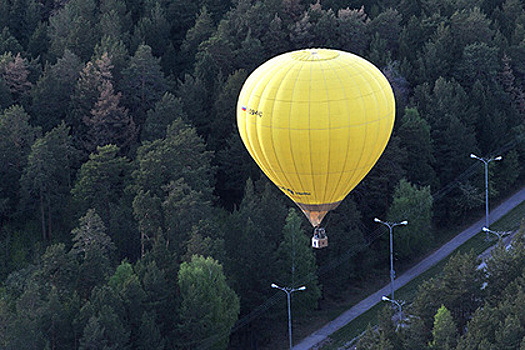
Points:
point(316, 122)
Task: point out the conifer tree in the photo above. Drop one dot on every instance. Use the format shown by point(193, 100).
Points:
point(444, 332)
point(100, 185)
point(165, 111)
point(143, 83)
point(16, 138)
point(46, 180)
point(108, 122)
point(14, 70)
point(93, 248)
point(51, 95)
point(295, 262)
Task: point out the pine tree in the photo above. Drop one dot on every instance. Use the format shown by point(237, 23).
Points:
point(46, 181)
point(117, 52)
point(15, 72)
point(150, 337)
point(352, 29)
point(155, 272)
point(126, 284)
point(51, 95)
point(165, 112)
point(88, 88)
point(347, 247)
point(224, 106)
point(8, 42)
point(93, 248)
point(108, 122)
point(74, 27)
point(90, 236)
point(510, 333)
point(153, 30)
point(143, 83)
point(186, 183)
point(38, 45)
point(504, 266)
point(16, 138)
point(414, 336)
point(374, 340)
point(104, 331)
point(296, 264)
point(508, 80)
point(414, 132)
point(115, 20)
point(201, 31)
point(23, 18)
point(250, 247)
point(101, 182)
point(444, 332)
point(387, 27)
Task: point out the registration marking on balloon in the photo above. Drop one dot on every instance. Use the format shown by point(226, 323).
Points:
point(251, 111)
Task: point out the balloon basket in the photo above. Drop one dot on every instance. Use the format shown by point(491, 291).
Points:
point(319, 240)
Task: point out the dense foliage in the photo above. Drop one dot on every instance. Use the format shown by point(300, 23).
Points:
point(466, 307)
point(123, 177)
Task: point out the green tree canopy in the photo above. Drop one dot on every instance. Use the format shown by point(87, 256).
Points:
point(444, 332)
point(296, 264)
point(209, 307)
point(46, 180)
point(413, 204)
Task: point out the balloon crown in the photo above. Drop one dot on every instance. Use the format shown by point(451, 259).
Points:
point(315, 55)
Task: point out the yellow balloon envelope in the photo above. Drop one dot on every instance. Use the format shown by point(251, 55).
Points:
point(316, 122)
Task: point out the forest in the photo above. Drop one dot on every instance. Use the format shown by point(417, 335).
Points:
point(132, 217)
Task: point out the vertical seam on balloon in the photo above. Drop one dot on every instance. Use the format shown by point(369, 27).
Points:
point(283, 176)
point(263, 165)
point(368, 158)
point(366, 155)
point(380, 88)
point(312, 175)
point(325, 199)
point(336, 187)
point(268, 169)
point(361, 151)
point(356, 175)
point(303, 63)
point(250, 141)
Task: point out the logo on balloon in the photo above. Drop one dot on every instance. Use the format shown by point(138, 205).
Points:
point(294, 193)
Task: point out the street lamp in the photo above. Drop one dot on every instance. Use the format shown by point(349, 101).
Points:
point(385, 298)
point(391, 225)
point(486, 161)
point(288, 292)
point(499, 234)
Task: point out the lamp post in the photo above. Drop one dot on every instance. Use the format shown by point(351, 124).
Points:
point(499, 234)
point(486, 161)
point(288, 292)
point(390, 226)
point(385, 298)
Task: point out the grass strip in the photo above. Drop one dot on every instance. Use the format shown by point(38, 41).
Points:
point(478, 244)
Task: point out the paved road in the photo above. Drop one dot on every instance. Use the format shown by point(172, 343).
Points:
point(364, 305)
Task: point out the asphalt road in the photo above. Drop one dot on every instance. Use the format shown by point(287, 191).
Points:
point(364, 305)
